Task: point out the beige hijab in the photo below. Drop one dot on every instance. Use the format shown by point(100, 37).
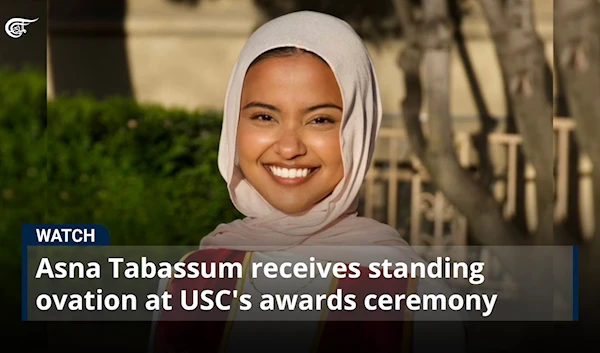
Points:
point(333, 221)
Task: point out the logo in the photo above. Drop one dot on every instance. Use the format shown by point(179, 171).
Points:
point(15, 27)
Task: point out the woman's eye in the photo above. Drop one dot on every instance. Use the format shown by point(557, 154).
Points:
point(262, 117)
point(323, 120)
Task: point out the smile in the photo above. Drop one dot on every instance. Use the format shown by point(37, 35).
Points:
point(290, 175)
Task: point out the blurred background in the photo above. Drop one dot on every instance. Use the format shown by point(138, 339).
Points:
point(499, 150)
point(178, 55)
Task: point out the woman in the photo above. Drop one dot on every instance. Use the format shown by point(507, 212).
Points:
point(301, 118)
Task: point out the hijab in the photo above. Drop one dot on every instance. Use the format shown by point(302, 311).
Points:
point(334, 221)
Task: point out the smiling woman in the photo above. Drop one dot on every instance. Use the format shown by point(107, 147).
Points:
point(288, 137)
point(302, 114)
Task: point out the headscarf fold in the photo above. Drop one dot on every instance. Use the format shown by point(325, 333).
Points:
point(334, 221)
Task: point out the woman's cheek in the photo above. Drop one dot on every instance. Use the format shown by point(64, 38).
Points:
point(264, 138)
point(254, 139)
point(325, 143)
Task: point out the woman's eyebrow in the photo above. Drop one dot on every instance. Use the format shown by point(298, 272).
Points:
point(275, 109)
point(261, 105)
point(322, 106)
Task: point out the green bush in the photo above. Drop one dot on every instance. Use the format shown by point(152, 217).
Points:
point(23, 157)
point(147, 173)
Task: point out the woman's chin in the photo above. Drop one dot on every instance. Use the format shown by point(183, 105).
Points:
point(295, 211)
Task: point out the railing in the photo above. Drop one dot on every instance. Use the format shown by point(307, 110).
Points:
point(446, 226)
point(564, 129)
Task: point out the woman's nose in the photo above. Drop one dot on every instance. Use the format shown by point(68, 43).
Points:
point(290, 144)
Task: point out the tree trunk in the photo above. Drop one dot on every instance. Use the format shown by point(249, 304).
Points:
point(578, 48)
point(432, 47)
point(528, 78)
point(577, 41)
point(487, 123)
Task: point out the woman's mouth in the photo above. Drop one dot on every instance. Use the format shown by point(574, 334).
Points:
point(290, 176)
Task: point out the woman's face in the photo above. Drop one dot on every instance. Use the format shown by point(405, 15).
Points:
point(288, 138)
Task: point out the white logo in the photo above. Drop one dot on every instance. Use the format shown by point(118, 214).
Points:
point(15, 27)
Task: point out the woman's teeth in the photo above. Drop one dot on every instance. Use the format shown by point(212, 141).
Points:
point(290, 173)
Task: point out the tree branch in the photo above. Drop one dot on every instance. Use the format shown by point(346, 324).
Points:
point(577, 43)
point(404, 13)
point(578, 47)
point(493, 11)
point(529, 80)
point(410, 62)
point(488, 124)
point(437, 153)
